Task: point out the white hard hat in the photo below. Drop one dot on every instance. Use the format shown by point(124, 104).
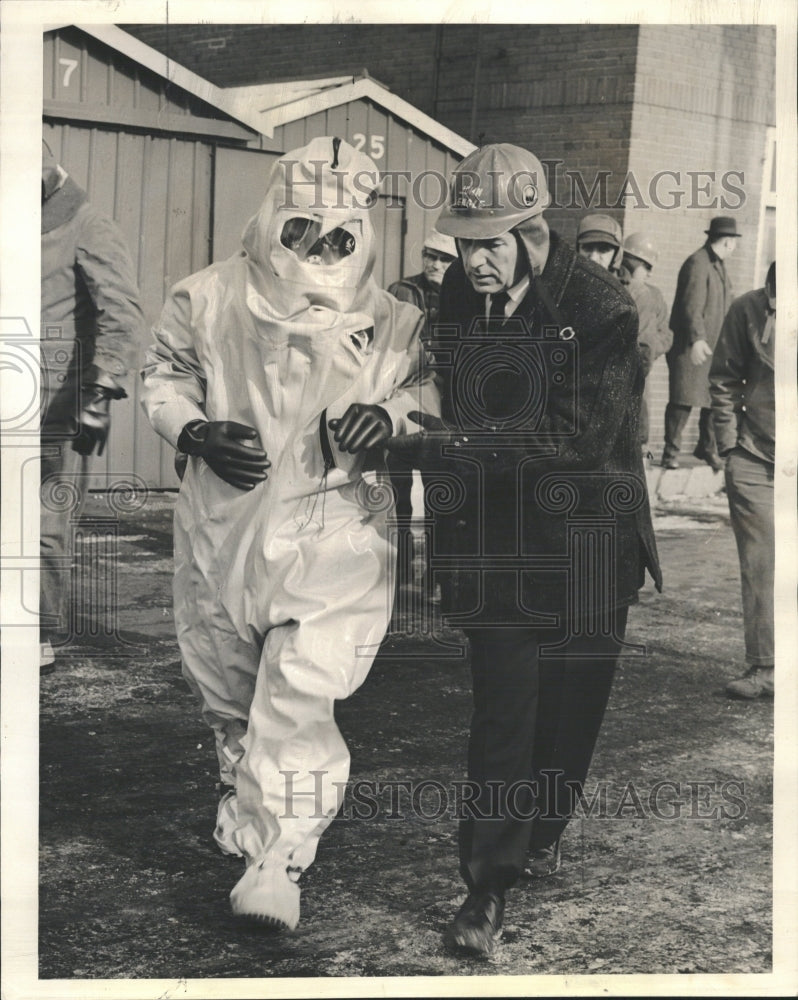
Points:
point(440, 243)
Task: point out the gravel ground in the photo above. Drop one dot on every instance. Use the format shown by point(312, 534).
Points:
point(662, 880)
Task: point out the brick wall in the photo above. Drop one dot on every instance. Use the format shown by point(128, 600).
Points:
point(712, 118)
point(402, 56)
point(618, 99)
point(564, 91)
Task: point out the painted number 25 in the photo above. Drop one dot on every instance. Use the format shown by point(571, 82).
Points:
point(376, 144)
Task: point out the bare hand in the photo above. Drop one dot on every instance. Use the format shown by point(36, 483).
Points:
point(699, 352)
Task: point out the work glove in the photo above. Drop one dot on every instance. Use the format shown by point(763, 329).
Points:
point(94, 420)
point(219, 444)
point(699, 352)
point(364, 425)
point(423, 449)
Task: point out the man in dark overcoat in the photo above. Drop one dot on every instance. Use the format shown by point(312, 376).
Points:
point(541, 529)
point(703, 295)
point(423, 291)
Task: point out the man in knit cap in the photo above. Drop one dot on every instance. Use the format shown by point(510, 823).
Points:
point(598, 238)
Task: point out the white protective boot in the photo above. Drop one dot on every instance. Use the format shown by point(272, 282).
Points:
point(266, 894)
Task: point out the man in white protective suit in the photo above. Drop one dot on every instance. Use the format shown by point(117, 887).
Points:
point(281, 372)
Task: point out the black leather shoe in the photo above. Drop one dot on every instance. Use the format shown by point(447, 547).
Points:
point(669, 463)
point(478, 925)
point(712, 458)
point(543, 861)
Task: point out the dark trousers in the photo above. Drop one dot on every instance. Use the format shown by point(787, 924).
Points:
point(63, 489)
point(749, 488)
point(534, 726)
point(402, 483)
point(676, 416)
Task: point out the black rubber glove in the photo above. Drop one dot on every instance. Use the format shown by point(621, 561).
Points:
point(94, 420)
point(218, 443)
point(364, 425)
point(423, 449)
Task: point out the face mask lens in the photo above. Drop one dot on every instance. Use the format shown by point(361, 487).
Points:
point(303, 237)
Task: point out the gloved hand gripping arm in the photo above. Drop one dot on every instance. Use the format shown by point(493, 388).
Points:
point(363, 426)
point(94, 420)
point(219, 444)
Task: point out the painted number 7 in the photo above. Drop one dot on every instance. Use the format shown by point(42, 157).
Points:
point(70, 66)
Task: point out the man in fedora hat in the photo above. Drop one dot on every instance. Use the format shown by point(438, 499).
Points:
point(423, 291)
point(703, 294)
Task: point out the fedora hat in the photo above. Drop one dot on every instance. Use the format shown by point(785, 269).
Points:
point(722, 225)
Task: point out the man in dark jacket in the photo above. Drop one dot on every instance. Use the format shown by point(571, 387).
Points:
point(91, 322)
point(423, 291)
point(542, 527)
point(744, 410)
point(703, 294)
point(654, 337)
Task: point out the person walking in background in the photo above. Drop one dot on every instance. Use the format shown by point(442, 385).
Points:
point(423, 291)
point(703, 295)
point(91, 323)
point(528, 440)
point(599, 238)
point(654, 336)
point(741, 380)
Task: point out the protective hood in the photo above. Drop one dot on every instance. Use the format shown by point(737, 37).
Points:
point(312, 244)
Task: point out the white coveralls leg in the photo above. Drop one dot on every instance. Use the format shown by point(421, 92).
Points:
point(283, 593)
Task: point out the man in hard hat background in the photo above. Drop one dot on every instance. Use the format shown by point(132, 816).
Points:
point(598, 238)
point(654, 336)
point(423, 291)
point(703, 295)
point(536, 460)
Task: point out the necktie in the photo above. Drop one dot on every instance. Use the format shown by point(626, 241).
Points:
point(497, 304)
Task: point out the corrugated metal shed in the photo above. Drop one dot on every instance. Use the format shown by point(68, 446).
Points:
point(182, 165)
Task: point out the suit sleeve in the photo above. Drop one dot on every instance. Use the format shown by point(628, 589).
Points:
point(104, 265)
point(416, 387)
point(580, 427)
point(727, 378)
point(694, 299)
point(173, 380)
point(664, 332)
